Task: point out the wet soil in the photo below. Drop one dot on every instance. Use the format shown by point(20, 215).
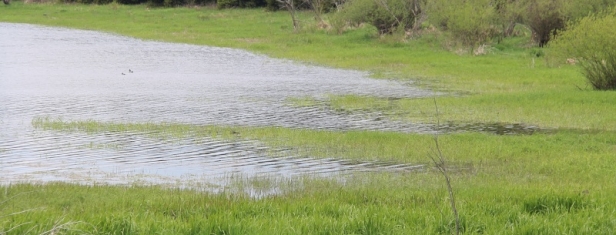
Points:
point(493, 128)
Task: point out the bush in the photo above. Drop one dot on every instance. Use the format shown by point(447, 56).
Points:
point(545, 18)
point(579, 9)
point(385, 15)
point(590, 41)
point(469, 21)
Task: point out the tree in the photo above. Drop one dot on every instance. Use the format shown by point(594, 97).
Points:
point(508, 14)
point(545, 18)
point(290, 6)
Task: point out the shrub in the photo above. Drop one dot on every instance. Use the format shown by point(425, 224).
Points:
point(590, 41)
point(580, 9)
point(385, 15)
point(469, 21)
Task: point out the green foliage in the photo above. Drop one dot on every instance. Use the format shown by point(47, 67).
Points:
point(475, 22)
point(590, 41)
point(385, 15)
point(580, 9)
point(469, 21)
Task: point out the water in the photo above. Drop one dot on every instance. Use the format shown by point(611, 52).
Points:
point(493, 128)
point(86, 75)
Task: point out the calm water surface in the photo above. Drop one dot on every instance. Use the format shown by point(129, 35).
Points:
point(86, 75)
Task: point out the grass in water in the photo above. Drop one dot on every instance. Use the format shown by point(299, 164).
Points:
point(548, 183)
point(585, 110)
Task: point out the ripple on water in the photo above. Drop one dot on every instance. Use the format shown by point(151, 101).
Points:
point(79, 75)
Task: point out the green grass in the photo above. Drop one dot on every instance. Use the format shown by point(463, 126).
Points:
point(585, 110)
point(556, 182)
point(369, 204)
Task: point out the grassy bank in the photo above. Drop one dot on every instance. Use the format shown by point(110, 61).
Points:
point(556, 182)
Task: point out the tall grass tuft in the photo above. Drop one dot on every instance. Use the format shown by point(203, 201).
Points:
point(555, 204)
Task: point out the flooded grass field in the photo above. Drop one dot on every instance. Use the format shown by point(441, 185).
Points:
point(84, 75)
point(183, 139)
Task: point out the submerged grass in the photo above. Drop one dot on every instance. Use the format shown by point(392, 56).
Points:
point(545, 183)
point(585, 110)
point(551, 157)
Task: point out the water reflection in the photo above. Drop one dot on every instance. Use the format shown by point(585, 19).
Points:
point(79, 75)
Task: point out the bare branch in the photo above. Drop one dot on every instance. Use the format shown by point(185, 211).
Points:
point(384, 5)
point(290, 6)
point(439, 163)
point(317, 7)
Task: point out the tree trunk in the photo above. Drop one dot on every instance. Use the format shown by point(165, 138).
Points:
point(291, 8)
point(509, 29)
